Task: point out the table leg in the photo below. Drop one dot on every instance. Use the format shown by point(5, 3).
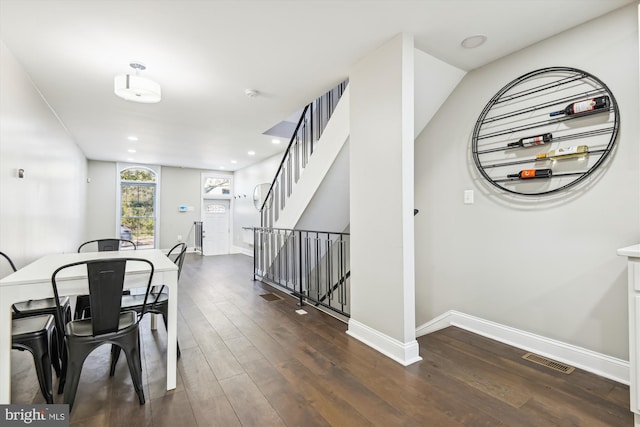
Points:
point(172, 329)
point(5, 351)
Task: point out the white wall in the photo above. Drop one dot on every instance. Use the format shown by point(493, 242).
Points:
point(178, 186)
point(45, 211)
point(101, 196)
point(328, 210)
point(245, 180)
point(546, 266)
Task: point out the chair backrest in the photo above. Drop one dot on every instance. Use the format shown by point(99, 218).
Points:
point(106, 245)
point(106, 282)
point(176, 254)
point(11, 264)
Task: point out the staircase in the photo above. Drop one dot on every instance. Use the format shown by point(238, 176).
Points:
point(321, 132)
point(311, 265)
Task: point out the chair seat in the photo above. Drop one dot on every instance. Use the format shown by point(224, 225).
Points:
point(45, 305)
point(83, 328)
point(31, 326)
point(136, 301)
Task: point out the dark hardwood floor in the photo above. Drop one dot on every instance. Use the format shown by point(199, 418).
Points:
point(247, 361)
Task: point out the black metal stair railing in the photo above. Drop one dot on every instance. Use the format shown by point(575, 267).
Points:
point(314, 266)
point(313, 120)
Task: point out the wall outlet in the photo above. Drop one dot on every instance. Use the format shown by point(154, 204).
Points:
point(468, 197)
point(179, 237)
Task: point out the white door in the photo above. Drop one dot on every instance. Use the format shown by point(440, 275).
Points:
point(215, 240)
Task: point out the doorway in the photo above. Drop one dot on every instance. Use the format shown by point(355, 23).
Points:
point(215, 227)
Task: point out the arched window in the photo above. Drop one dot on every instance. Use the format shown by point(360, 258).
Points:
point(138, 197)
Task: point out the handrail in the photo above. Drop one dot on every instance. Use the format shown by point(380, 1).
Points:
point(284, 157)
point(296, 229)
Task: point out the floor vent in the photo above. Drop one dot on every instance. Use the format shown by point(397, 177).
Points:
point(556, 366)
point(271, 297)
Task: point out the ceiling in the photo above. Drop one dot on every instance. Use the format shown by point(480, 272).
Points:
point(205, 53)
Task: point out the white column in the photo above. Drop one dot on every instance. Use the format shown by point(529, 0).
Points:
point(381, 190)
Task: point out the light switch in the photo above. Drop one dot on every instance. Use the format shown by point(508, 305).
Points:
point(468, 197)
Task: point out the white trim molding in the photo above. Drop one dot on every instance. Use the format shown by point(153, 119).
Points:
point(239, 250)
point(590, 361)
point(403, 353)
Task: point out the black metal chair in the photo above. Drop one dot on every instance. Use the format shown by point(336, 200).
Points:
point(36, 334)
point(108, 324)
point(104, 245)
point(158, 301)
point(40, 307)
point(83, 309)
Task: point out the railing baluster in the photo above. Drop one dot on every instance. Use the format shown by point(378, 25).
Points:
point(289, 183)
point(296, 159)
point(343, 284)
point(299, 254)
point(329, 279)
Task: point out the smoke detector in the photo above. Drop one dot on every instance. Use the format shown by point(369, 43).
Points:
point(250, 93)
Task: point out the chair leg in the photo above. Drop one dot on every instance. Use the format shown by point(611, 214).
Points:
point(59, 350)
point(115, 354)
point(64, 361)
point(55, 352)
point(74, 369)
point(135, 369)
point(43, 369)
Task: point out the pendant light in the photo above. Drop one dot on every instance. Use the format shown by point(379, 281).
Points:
point(135, 88)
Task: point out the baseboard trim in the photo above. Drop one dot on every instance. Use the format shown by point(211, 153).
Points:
point(403, 353)
point(239, 250)
point(597, 363)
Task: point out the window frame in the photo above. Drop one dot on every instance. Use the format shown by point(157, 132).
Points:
point(156, 170)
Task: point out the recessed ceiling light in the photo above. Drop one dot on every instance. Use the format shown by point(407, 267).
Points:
point(234, 161)
point(222, 167)
point(251, 153)
point(472, 42)
point(130, 159)
point(131, 150)
point(276, 141)
point(132, 138)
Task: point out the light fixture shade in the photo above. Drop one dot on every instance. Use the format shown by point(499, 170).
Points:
point(137, 89)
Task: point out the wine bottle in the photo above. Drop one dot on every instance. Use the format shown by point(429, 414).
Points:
point(532, 140)
point(598, 103)
point(565, 153)
point(531, 173)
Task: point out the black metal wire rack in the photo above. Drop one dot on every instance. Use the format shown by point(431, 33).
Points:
point(545, 131)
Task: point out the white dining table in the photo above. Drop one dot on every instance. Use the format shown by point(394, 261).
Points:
point(34, 282)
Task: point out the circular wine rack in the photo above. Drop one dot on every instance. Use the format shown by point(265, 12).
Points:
point(545, 131)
